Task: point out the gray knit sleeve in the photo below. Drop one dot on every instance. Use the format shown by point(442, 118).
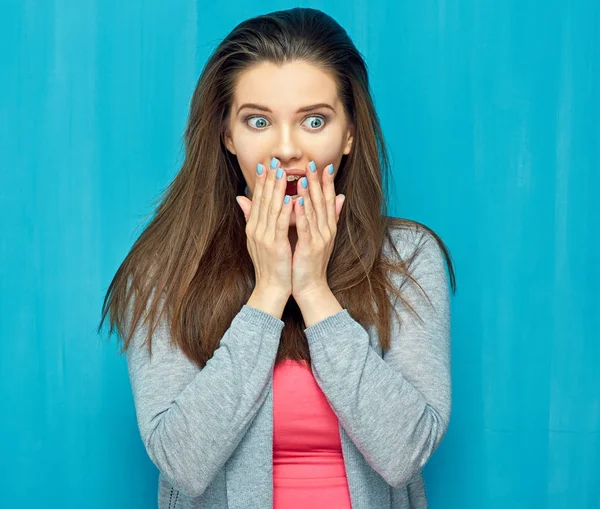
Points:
point(396, 409)
point(191, 419)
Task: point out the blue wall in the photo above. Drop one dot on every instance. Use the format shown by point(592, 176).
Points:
point(491, 112)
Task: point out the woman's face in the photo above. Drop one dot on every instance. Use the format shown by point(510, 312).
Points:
point(274, 126)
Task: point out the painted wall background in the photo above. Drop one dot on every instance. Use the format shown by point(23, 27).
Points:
point(491, 112)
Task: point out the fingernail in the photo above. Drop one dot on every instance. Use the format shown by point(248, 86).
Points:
point(279, 174)
point(287, 199)
point(301, 200)
point(330, 169)
point(259, 168)
point(304, 182)
point(274, 162)
point(312, 166)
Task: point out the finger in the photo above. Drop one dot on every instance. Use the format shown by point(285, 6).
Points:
point(339, 204)
point(330, 198)
point(302, 226)
point(265, 199)
point(317, 197)
point(276, 201)
point(307, 211)
point(283, 221)
point(259, 183)
point(244, 205)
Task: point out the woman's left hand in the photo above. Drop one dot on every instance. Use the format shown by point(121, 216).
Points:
point(316, 225)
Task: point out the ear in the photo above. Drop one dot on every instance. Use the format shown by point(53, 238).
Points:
point(349, 138)
point(228, 142)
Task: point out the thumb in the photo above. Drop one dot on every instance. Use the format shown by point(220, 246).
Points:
point(339, 203)
point(245, 205)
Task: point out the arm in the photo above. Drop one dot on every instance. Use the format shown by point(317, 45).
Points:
point(191, 419)
point(395, 409)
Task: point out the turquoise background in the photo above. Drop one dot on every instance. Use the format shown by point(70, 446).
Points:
point(491, 113)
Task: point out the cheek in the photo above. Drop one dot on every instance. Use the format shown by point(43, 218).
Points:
point(248, 155)
point(327, 151)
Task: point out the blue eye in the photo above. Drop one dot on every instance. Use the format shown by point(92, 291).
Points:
point(319, 119)
point(262, 122)
point(262, 119)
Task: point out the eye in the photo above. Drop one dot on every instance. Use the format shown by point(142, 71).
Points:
point(260, 124)
point(317, 122)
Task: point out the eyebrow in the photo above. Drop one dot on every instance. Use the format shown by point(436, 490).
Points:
point(301, 110)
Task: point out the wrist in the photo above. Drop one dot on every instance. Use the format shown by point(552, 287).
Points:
point(270, 301)
point(314, 292)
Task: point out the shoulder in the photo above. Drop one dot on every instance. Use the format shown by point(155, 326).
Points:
point(419, 247)
point(410, 238)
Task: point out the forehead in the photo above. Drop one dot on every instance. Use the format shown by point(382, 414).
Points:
point(289, 87)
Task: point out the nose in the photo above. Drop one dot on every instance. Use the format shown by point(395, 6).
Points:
point(286, 146)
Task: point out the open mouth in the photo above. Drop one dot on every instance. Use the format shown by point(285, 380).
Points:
point(291, 188)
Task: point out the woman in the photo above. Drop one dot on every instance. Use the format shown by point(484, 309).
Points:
point(294, 351)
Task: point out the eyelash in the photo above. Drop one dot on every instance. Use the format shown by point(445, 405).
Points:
point(323, 118)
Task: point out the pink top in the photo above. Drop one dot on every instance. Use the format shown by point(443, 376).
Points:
point(308, 466)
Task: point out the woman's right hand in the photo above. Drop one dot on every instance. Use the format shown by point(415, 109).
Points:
point(267, 229)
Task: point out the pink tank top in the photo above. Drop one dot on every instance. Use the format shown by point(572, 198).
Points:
point(308, 466)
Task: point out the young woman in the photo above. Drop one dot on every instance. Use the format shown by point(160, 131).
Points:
point(292, 351)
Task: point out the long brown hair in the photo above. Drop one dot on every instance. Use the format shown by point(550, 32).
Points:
point(190, 266)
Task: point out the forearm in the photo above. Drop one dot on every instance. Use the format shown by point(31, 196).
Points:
point(192, 420)
point(392, 423)
point(269, 301)
point(317, 305)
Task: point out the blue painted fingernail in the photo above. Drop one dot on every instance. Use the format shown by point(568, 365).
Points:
point(287, 199)
point(330, 169)
point(301, 200)
point(304, 182)
point(279, 174)
point(312, 166)
point(259, 168)
point(274, 162)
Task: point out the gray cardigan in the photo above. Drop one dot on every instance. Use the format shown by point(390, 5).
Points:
point(209, 431)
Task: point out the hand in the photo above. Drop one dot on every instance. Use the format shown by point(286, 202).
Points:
point(316, 225)
point(267, 228)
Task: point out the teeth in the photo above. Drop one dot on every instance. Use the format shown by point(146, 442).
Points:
point(291, 178)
